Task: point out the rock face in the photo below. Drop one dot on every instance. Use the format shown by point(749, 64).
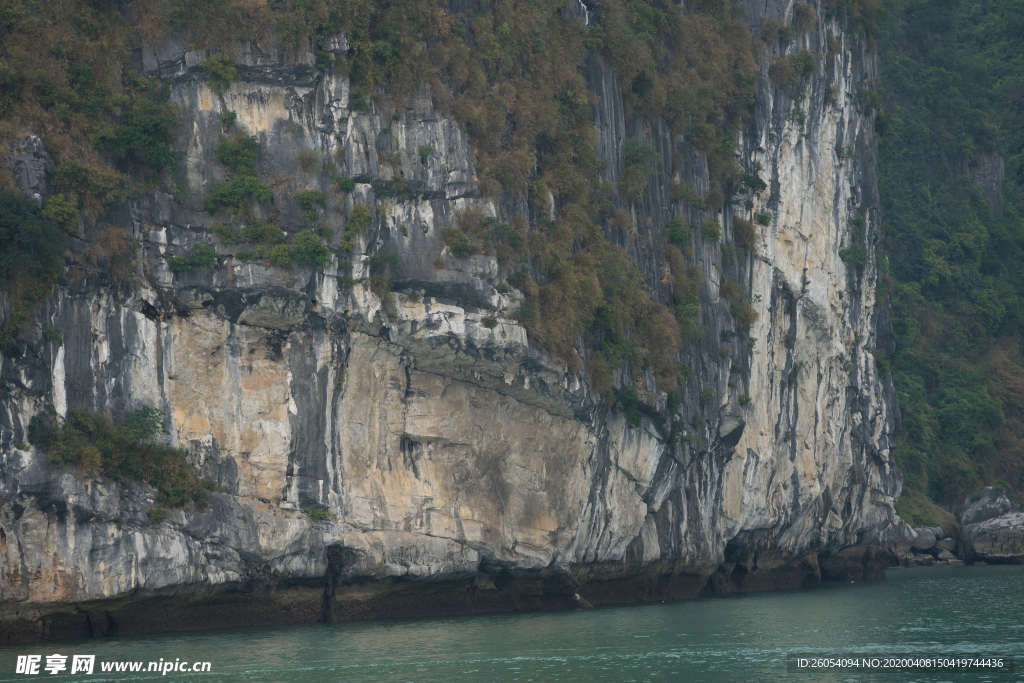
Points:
point(28, 162)
point(925, 538)
point(991, 529)
point(463, 469)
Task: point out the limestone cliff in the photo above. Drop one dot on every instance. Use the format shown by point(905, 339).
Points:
point(463, 468)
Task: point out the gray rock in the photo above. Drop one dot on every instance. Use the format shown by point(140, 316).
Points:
point(275, 312)
point(924, 540)
point(991, 503)
point(29, 162)
point(945, 555)
point(995, 540)
point(987, 172)
point(922, 560)
point(946, 544)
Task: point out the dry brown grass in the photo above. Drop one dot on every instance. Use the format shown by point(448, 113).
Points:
point(114, 248)
point(780, 71)
point(744, 234)
point(804, 17)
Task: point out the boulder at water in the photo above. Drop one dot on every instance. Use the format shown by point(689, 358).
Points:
point(992, 529)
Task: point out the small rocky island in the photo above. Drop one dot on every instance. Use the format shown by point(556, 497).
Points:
point(989, 530)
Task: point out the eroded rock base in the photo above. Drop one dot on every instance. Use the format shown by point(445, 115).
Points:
point(481, 594)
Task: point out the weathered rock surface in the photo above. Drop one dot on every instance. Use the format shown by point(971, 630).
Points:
point(925, 538)
point(464, 470)
point(991, 529)
point(991, 503)
point(28, 161)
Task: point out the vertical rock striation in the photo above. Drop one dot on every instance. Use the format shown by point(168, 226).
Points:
point(463, 468)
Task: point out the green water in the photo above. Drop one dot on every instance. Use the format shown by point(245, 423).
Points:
point(938, 611)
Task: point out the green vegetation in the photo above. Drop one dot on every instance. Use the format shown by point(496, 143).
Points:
point(31, 258)
point(711, 229)
point(280, 256)
point(679, 232)
point(318, 513)
point(146, 128)
point(476, 234)
point(239, 154)
point(65, 75)
point(738, 307)
point(951, 92)
point(202, 257)
point(694, 70)
point(53, 335)
point(684, 193)
point(307, 249)
point(62, 212)
point(626, 398)
point(358, 220)
point(383, 268)
point(308, 160)
point(457, 242)
point(508, 72)
point(308, 201)
point(90, 442)
point(221, 71)
point(640, 160)
point(744, 234)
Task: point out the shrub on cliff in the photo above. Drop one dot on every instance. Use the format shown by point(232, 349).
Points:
point(308, 201)
point(358, 220)
point(90, 442)
point(780, 71)
point(711, 229)
point(804, 17)
point(679, 232)
point(308, 249)
point(457, 242)
point(239, 154)
point(202, 257)
point(221, 71)
point(640, 161)
point(31, 258)
point(145, 133)
point(744, 234)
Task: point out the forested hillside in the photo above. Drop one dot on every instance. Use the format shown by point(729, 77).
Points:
point(952, 82)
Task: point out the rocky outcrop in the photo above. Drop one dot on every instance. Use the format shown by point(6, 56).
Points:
point(462, 468)
point(28, 162)
point(991, 529)
point(924, 547)
point(987, 172)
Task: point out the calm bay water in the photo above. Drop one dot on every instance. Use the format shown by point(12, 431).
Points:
point(937, 611)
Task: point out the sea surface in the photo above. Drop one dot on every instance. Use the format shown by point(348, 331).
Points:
point(939, 611)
